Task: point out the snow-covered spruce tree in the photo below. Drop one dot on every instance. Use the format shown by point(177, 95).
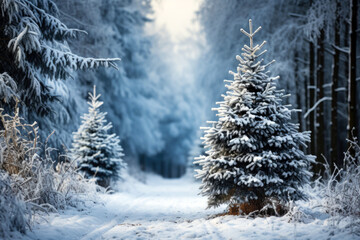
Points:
point(97, 152)
point(254, 155)
point(34, 52)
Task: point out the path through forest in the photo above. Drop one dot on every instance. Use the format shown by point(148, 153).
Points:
point(171, 209)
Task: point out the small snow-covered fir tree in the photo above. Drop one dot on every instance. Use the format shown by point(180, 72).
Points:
point(254, 151)
point(99, 153)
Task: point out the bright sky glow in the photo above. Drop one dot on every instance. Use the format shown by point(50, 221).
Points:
point(176, 16)
point(177, 34)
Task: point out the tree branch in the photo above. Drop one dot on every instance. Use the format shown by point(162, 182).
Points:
point(329, 51)
point(343, 50)
point(316, 105)
point(296, 15)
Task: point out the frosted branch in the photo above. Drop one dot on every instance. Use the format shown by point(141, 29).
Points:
point(343, 50)
point(18, 38)
point(261, 53)
point(340, 89)
point(251, 33)
point(316, 105)
point(266, 65)
point(258, 29)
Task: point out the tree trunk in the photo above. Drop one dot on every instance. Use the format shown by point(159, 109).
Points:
point(298, 92)
point(320, 95)
point(352, 71)
point(344, 82)
point(312, 96)
point(306, 121)
point(334, 101)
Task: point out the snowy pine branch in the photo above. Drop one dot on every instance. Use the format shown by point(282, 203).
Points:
point(35, 43)
point(8, 88)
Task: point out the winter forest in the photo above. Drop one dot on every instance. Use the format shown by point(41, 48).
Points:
point(179, 119)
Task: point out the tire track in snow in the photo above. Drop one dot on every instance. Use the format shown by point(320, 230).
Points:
point(100, 231)
point(212, 231)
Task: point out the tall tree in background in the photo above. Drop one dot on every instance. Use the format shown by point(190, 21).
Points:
point(320, 66)
point(312, 96)
point(320, 23)
point(298, 85)
point(352, 117)
point(334, 87)
point(254, 149)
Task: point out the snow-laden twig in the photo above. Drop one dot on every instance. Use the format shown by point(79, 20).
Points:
point(18, 39)
point(327, 85)
point(340, 89)
point(343, 50)
point(316, 105)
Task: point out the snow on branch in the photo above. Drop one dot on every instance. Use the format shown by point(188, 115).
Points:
point(56, 58)
point(268, 64)
point(327, 85)
point(8, 87)
point(343, 50)
point(296, 15)
point(53, 25)
point(239, 146)
point(340, 89)
point(18, 39)
point(315, 105)
point(37, 41)
point(251, 34)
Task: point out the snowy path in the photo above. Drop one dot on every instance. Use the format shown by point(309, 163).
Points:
point(171, 209)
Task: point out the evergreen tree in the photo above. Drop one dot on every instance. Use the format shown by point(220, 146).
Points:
point(35, 53)
point(36, 60)
point(98, 153)
point(254, 150)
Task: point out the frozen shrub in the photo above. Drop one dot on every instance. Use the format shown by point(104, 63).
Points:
point(32, 176)
point(342, 189)
point(30, 182)
point(13, 211)
point(72, 184)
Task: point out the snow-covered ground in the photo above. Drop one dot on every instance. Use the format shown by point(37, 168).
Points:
point(171, 209)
